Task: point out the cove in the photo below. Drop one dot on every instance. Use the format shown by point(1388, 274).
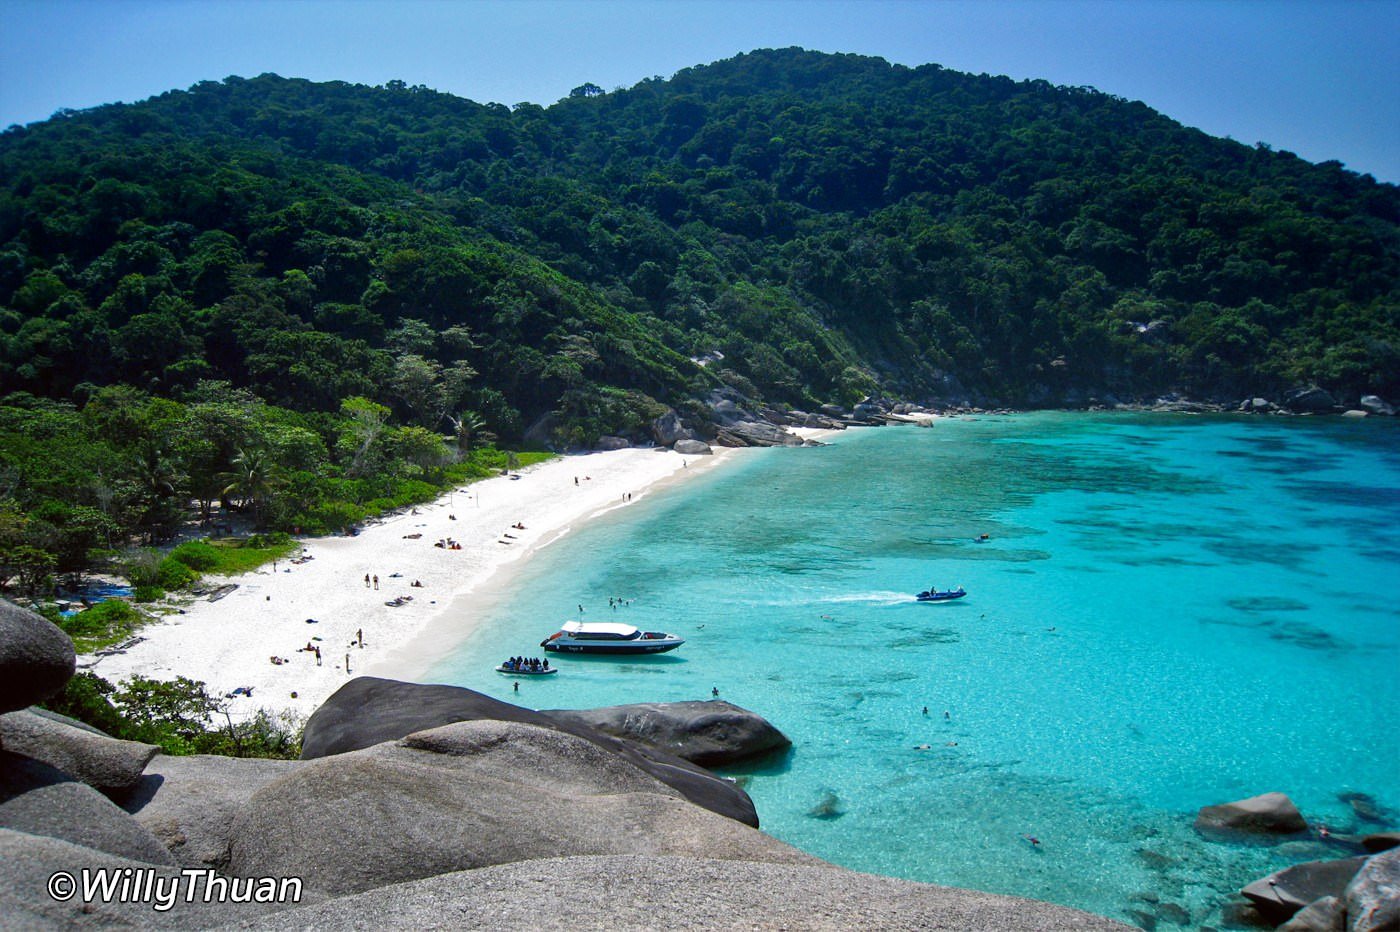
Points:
point(1169, 611)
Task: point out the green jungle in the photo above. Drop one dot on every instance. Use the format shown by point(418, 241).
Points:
point(314, 302)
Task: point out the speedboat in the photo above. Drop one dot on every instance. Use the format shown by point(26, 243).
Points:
point(579, 637)
point(946, 595)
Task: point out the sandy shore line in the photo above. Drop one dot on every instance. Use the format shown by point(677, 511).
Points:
point(324, 602)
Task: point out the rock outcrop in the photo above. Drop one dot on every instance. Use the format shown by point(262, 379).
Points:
point(1372, 898)
point(1381, 841)
point(36, 658)
point(667, 429)
point(1269, 814)
point(1374, 404)
point(189, 803)
point(470, 795)
point(1324, 915)
point(103, 763)
point(1278, 896)
point(1310, 400)
point(39, 800)
point(709, 733)
point(28, 861)
point(367, 711)
point(682, 893)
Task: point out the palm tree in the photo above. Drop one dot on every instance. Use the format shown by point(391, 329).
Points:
point(466, 427)
point(253, 479)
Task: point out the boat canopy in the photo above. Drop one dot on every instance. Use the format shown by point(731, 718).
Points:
point(602, 630)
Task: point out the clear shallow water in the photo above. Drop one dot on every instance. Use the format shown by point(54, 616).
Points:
point(1171, 611)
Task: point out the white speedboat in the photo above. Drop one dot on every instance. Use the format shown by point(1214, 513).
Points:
point(580, 637)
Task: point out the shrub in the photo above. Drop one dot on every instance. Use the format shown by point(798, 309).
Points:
point(175, 575)
point(104, 624)
point(197, 555)
point(147, 594)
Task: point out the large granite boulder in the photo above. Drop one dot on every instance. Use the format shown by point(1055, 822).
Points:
point(189, 803)
point(1324, 915)
point(606, 442)
point(1373, 897)
point(681, 893)
point(711, 733)
point(756, 434)
point(100, 761)
point(1376, 405)
point(30, 860)
point(40, 800)
point(469, 795)
point(1381, 841)
point(1310, 400)
point(1269, 814)
point(1281, 894)
point(368, 710)
point(667, 429)
point(36, 658)
point(693, 447)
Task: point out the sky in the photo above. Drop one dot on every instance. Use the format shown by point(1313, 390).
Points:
point(1320, 78)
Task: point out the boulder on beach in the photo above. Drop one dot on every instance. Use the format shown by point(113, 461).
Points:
point(756, 434)
point(38, 799)
point(36, 658)
point(1281, 894)
point(100, 761)
point(667, 429)
point(606, 443)
point(692, 447)
point(709, 733)
point(1376, 405)
point(368, 710)
point(189, 803)
point(1268, 814)
point(469, 795)
point(1310, 400)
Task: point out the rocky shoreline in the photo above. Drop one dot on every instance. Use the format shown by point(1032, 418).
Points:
point(430, 806)
point(731, 419)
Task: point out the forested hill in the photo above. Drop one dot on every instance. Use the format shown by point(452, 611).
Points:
point(808, 227)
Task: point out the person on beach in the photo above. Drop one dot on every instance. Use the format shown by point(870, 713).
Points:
point(366, 580)
point(347, 664)
point(360, 637)
point(318, 656)
point(376, 580)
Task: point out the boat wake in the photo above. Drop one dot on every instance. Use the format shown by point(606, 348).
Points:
point(878, 597)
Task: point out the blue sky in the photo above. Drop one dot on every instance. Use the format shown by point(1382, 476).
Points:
point(1320, 78)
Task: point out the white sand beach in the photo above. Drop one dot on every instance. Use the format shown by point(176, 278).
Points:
point(324, 601)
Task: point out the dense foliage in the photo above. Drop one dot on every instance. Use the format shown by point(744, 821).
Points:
point(179, 716)
point(282, 293)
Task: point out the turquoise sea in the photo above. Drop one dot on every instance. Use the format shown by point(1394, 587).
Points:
point(1170, 611)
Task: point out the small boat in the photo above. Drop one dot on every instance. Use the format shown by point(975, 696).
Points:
point(510, 669)
point(946, 595)
point(579, 637)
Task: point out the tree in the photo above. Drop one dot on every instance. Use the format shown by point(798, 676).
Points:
point(466, 427)
point(253, 478)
